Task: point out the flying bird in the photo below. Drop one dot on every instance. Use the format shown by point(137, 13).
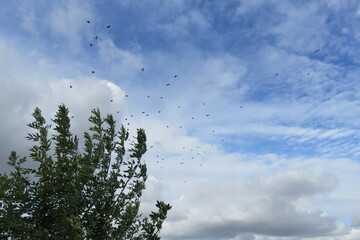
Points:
point(93, 72)
point(70, 86)
point(161, 97)
point(108, 26)
point(317, 51)
point(142, 69)
point(175, 76)
point(159, 111)
point(88, 21)
point(96, 37)
point(168, 84)
point(90, 44)
point(126, 95)
point(111, 100)
point(207, 115)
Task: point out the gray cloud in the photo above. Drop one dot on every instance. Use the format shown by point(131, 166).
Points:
point(273, 207)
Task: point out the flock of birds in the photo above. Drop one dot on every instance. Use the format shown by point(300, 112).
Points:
point(195, 152)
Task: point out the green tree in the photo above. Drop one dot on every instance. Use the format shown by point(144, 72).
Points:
point(93, 193)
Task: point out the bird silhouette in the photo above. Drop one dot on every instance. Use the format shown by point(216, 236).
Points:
point(88, 21)
point(142, 69)
point(168, 84)
point(93, 72)
point(317, 51)
point(175, 76)
point(108, 26)
point(70, 86)
point(207, 115)
point(90, 44)
point(96, 37)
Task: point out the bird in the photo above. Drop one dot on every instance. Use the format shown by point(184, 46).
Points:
point(108, 26)
point(96, 37)
point(192, 118)
point(240, 106)
point(161, 97)
point(147, 115)
point(88, 21)
point(72, 116)
point(142, 69)
point(168, 84)
point(277, 74)
point(181, 163)
point(151, 146)
point(126, 95)
point(111, 100)
point(204, 104)
point(317, 51)
point(117, 111)
point(93, 72)
point(178, 106)
point(167, 126)
point(175, 76)
point(159, 111)
point(90, 44)
point(70, 86)
point(207, 115)
point(142, 112)
point(148, 96)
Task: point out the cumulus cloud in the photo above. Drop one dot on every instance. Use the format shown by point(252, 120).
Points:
point(224, 209)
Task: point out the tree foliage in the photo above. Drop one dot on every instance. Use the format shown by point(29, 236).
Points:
point(93, 193)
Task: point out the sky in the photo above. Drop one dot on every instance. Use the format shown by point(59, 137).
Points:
point(258, 134)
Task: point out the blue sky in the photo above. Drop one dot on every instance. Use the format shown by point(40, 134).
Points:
point(278, 155)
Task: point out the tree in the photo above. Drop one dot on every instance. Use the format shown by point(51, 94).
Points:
point(93, 193)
